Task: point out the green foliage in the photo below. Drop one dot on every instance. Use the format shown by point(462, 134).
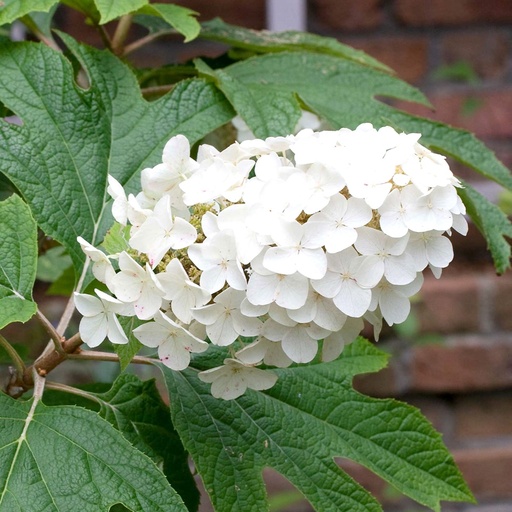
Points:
point(66, 458)
point(181, 18)
point(266, 42)
point(136, 409)
point(309, 417)
point(18, 261)
point(83, 116)
point(83, 135)
point(126, 352)
point(11, 10)
point(493, 224)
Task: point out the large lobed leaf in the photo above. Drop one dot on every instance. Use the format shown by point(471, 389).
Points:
point(57, 459)
point(345, 94)
point(263, 41)
point(311, 416)
point(72, 138)
point(135, 408)
point(18, 261)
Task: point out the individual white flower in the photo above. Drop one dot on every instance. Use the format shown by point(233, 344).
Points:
point(223, 319)
point(176, 166)
point(300, 342)
point(393, 301)
point(428, 170)
point(430, 248)
point(432, 211)
point(266, 351)
point(102, 267)
point(134, 284)
point(217, 258)
point(233, 378)
point(288, 291)
point(99, 318)
point(348, 281)
point(320, 310)
point(183, 293)
point(174, 342)
point(396, 265)
point(296, 251)
point(215, 180)
point(161, 232)
point(335, 224)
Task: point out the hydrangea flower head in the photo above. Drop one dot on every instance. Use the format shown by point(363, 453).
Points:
point(276, 244)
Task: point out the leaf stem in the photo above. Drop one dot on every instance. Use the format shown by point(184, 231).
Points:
point(57, 386)
point(54, 335)
point(139, 43)
point(48, 41)
point(95, 355)
point(15, 357)
point(104, 36)
point(121, 33)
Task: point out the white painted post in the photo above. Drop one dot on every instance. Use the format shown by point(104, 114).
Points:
point(286, 15)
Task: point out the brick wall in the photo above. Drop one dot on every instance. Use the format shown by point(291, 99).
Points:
point(456, 363)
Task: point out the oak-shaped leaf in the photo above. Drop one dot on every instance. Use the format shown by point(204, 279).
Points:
point(298, 427)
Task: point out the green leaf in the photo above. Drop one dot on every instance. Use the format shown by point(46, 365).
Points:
point(492, 223)
point(265, 41)
point(11, 10)
point(86, 7)
point(18, 261)
point(332, 87)
point(67, 458)
point(311, 416)
point(116, 239)
point(112, 9)
point(52, 264)
point(136, 409)
point(72, 138)
point(181, 18)
point(276, 114)
point(126, 352)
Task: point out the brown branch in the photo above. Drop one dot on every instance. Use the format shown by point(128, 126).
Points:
point(47, 362)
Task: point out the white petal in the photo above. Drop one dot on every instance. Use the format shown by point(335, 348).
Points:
point(93, 330)
point(88, 305)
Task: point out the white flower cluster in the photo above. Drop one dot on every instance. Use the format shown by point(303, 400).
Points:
point(288, 240)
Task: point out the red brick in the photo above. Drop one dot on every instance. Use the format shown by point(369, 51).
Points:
point(466, 364)
point(385, 383)
point(486, 52)
point(503, 301)
point(436, 410)
point(347, 15)
point(407, 56)
point(485, 113)
point(487, 471)
point(450, 304)
point(483, 415)
point(419, 13)
point(247, 14)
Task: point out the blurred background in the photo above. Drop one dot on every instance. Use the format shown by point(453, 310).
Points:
point(453, 357)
